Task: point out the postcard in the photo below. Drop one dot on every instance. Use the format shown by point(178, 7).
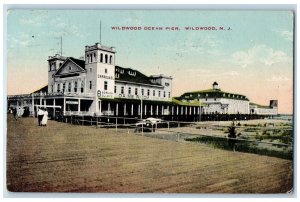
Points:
point(150, 101)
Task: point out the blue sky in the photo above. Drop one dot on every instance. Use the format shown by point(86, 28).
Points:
point(254, 58)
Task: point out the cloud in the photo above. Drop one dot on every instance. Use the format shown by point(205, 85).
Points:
point(199, 44)
point(278, 78)
point(259, 54)
point(287, 35)
point(36, 18)
point(21, 40)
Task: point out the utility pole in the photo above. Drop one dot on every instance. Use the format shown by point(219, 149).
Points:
point(100, 32)
point(61, 45)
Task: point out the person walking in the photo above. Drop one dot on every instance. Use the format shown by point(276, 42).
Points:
point(45, 118)
point(15, 113)
point(40, 115)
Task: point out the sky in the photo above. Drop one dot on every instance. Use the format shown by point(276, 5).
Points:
point(252, 55)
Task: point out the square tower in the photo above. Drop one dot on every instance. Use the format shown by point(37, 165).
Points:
point(100, 71)
point(54, 63)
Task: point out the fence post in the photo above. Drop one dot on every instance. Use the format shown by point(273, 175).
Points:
point(178, 137)
point(142, 129)
point(96, 121)
point(168, 126)
point(82, 120)
point(91, 121)
point(178, 124)
point(116, 124)
point(71, 120)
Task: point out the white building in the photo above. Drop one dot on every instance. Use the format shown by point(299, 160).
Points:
point(219, 102)
point(97, 78)
point(272, 109)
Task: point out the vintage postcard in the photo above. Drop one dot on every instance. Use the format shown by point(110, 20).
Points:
point(150, 101)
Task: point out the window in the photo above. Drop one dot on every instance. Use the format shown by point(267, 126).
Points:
point(110, 59)
point(105, 71)
point(75, 86)
point(91, 56)
point(153, 92)
point(142, 91)
point(148, 92)
point(164, 93)
point(122, 90)
point(70, 68)
point(105, 85)
point(101, 57)
point(95, 57)
point(136, 91)
point(129, 90)
point(169, 94)
point(159, 93)
point(64, 87)
point(115, 89)
point(90, 84)
point(117, 75)
point(105, 58)
point(58, 87)
point(69, 87)
point(82, 87)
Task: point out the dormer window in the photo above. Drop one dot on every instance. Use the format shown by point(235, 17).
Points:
point(132, 73)
point(117, 75)
point(122, 71)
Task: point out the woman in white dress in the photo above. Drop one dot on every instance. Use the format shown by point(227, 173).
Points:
point(45, 118)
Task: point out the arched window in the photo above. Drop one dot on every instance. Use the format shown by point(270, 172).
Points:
point(110, 59)
point(91, 85)
point(101, 57)
point(91, 56)
point(58, 87)
point(82, 87)
point(69, 87)
point(95, 57)
point(106, 58)
point(64, 87)
point(75, 86)
point(105, 85)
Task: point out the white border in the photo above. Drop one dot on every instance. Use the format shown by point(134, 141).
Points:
point(160, 4)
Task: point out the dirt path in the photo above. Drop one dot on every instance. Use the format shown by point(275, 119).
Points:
point(68, 158)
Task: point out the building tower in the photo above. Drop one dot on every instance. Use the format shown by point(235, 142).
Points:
point(100, 72)
point(215, 86)
point(54, 63)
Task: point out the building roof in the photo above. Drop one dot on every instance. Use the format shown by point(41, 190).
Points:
point(43, 89)
point(212, 93)
point(132, 75)
point(79, 62)
point(260, 106)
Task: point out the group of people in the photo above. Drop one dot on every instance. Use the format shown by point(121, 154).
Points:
point(42, 115)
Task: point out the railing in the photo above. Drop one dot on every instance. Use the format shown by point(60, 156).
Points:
point(190, 132)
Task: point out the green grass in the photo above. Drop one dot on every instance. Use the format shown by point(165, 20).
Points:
point(242, 146)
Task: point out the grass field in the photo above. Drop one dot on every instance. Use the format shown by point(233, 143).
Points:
point(69, 158)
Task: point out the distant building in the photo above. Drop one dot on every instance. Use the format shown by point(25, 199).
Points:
point(272, 109)
point(217, 101)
